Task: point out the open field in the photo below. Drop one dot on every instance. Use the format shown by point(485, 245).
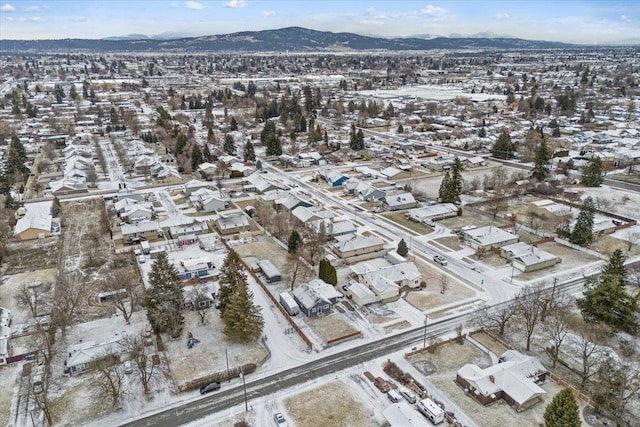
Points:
point(332, 404)
point(208, 356)
point(607, 244)
point(470, 217)
point(30, 255)
point(330, 327)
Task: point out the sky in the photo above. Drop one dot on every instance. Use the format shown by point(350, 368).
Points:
point(585, 22)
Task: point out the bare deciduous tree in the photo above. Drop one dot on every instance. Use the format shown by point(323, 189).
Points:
point(33, 296)
point(497, 205)
point(69, 292)
point(109, 384)
point(444, 283)
point(495, 319)
point(141, 356)
point(201, 300)
point(125, 291)
point(527, 304)
point(557, 327)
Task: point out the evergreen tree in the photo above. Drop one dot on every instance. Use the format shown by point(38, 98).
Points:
point(359, 140)
point(56, 207)
point(73, 93)
point(444, 193)
point(196, 157)
point(582, 233)
point(233, 126)
point(503, 148)
point(231, 273)
point(206, 153)
point(164, 297)
point(592, 173)
point(541, 161)
point(615, 267)
point(352, 137)
point(400, 129)
point(294, 242)
point(456, 179)
point(16, 159)
point(563, 411)
point(606, 301)
point(229, 145)
point(249, 152)
point(181, 143)
point(274, 145)
point(403, 249)
point(616, 386)
point(242, 318)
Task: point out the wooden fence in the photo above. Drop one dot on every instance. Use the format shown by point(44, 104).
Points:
point(434, 346)
point(338, 340)
point(275, 302)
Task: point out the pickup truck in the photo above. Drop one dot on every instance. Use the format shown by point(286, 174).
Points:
point(382, 385)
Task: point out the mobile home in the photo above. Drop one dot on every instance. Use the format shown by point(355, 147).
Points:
point(432, 411)
point(289, 304)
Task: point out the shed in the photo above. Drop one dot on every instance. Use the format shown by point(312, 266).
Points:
point(270, 271)
point(289, 304)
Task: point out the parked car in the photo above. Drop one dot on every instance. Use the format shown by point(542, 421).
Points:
point(440, 260)
point(408, 396)
point(279, 419)
point(210, 387)
point(382, 385)
point(128, 367)
point(429, 223)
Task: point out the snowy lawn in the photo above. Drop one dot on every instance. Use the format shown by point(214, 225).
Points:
point(330, 327)
point(431, 297)
point(490, 343)
point(10, 287)
point(8, 377)
point(208, 356)
point(30, 255)
point(332, 404)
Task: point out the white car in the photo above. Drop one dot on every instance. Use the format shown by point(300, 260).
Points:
point(440, 260)
point(279, 419)
point(429, 223)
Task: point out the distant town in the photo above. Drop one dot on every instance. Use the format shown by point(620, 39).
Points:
point(332, 238)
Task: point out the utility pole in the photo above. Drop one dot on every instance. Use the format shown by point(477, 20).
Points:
point(424, 340)
point(226, 356)
point(244, 387)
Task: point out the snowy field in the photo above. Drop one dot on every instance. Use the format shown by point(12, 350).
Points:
point(439, 93)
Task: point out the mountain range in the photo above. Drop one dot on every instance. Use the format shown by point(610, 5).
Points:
point(291, 39)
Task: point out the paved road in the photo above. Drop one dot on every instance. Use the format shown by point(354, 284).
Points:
point(226, 398)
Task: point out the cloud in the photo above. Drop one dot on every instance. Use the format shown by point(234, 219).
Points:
point(269, 13)
point(371, 22)
point(35, 19)
point(625, 18)
point(8, 18)
point(501, 16)
point(434, 12)
point(7, 8)
point(194, 5)
point(174, 5)
point(236, 3)
point(35, 8)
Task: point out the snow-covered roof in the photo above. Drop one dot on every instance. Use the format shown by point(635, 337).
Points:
point(37, 217)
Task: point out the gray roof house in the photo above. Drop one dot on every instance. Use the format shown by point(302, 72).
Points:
point(316, 297)
point(526, 257)
point(489, 237)
point(400, 201)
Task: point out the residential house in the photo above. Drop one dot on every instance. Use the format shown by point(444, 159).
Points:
point(359, 246)
point(335, 177)
point(209, 200)
point(81, 357)
point(193, 185)
point(145, 230)
point(549, 210)
point(526, 257)
point(316, 297)
point(489, 237)
point(196, 269)
point(194, 227)
point(198, 296)
point(393, 173)
point(291, 201)
point(232, 222)
point(240, 169)
point(474, 162)
point(5, 334)
point(67, 186)
point(207, 170)
point(432, 212)
point(514, 379)
point(36, 223)
point(307, 215)
point(400, 201)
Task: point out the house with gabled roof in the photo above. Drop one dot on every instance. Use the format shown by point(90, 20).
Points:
point(36, 223)
point(316, 297)
point(232, 222)
point(82, 357)
point(350, 246)
point(526, 257)
point(514, 379)
point(489, 237)
point(400, 201)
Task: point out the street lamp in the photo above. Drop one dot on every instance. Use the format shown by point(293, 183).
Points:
point(244, 387)
point(424, 340)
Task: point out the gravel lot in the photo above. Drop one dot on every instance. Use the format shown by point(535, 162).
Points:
point(341, 407)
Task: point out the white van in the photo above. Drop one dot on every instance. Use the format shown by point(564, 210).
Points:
point(432, 411)
point(393, 396)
